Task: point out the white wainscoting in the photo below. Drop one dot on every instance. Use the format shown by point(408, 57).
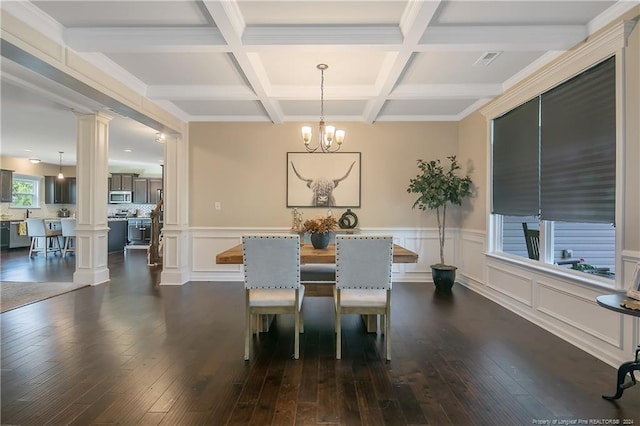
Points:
point(207, 242)
point(561, 304)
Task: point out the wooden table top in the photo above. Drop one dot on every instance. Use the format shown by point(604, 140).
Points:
point(308, 254)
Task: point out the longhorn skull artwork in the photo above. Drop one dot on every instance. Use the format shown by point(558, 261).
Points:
point(322, 187)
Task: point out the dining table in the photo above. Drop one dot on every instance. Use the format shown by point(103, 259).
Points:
point(310, 256)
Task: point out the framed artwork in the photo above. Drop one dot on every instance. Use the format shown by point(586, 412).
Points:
point(323, 180)
point(634, 291)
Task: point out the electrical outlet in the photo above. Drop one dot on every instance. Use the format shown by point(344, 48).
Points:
point(217, 205)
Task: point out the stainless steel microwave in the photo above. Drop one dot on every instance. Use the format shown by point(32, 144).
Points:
point(120, 197)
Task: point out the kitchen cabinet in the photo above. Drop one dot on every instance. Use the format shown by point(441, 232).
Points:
point(139, 231)
point(59, 191)
point(147, 190)
point(117, 238)
point(5, 228)
point(6, 186)
point(155, 190)
point(140, 190)
point(16, 240)
point(122, 181)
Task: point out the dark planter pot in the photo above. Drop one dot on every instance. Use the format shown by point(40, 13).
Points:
point(443, 277)
point(320, 241)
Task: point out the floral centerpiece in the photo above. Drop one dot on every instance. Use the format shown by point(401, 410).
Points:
point(320, 229)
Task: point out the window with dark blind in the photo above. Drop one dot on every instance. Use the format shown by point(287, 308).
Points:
point(556, 154)
point(578, 148)
point(516, 161)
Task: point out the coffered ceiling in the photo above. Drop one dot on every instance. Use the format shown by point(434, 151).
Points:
point(397, 60)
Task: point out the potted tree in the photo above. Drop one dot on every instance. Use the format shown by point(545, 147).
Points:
point(438, 187)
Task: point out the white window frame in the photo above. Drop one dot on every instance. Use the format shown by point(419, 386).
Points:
point(610, 42)
point(37, 183)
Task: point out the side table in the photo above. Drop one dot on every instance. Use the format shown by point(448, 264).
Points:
point(612, 302)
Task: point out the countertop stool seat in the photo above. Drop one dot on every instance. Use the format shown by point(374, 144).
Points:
point(69, 234)
point(37, 229)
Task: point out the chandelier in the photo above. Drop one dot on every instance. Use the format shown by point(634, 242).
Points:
point(327, 135)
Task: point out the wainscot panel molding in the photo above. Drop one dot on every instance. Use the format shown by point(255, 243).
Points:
point(557, 301)
point(206, 242)
point(585, 316)
point(470, 258)
point(511, 285)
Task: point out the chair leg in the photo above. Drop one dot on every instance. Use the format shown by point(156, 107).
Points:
point(387, 331)
point(296, 339)
point(247, 329)
point(34, 240)
point(66, 246)
point(338, 327)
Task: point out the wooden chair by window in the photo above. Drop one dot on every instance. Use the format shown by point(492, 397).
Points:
point(272, 281)
point(532, 239)
point(37, 229)
point(69, 234)
point(363, 281)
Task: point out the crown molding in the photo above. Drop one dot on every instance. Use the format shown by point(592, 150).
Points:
point(589, 53)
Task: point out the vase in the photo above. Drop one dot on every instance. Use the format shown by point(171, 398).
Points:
point(320, 241)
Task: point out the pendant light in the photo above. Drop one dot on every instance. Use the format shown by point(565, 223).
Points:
point(60, 175)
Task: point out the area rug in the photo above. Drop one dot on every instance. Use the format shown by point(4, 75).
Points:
point(14, 294)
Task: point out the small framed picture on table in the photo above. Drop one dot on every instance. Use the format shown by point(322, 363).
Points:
point(634, 291)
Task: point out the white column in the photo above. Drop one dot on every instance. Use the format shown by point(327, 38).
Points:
point(175, 231)
point(91, 215)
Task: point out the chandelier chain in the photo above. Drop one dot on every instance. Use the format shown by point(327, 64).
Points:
point(322, 95)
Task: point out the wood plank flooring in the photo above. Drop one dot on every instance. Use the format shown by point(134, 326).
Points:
point(133, 352)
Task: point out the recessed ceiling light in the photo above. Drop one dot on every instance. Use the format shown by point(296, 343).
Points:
point(34, 160)
point(127, 150)
point(27, 150)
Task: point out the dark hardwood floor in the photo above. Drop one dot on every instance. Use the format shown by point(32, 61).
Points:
point(132, 352)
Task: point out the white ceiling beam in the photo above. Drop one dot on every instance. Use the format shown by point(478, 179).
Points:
point(226, 14)
point(530, 37)
point(415, 19)
point(200, 92)
point(445, 91)
point(158, 39)
point(321, 34)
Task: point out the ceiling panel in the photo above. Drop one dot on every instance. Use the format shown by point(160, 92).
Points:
point(191, 68)
point(238, 60)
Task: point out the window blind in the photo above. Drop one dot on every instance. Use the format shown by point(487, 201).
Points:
point(578, 148)
point(516, 161)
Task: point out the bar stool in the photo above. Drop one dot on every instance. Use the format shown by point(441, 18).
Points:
point(69, 235)
point(36, 228)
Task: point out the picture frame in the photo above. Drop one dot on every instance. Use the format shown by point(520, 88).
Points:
point(324, 180)
point(634, 291)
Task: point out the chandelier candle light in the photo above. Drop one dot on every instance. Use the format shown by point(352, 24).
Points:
point(327, 134)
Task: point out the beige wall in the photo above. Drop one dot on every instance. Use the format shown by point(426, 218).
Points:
point(472, 150)
point(243, 166)
point(25, 167)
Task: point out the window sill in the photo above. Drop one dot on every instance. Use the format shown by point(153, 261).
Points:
point(558, 271)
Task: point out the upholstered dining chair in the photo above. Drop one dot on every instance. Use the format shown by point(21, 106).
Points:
point(37, 229)
point(69, 235)
point(272, 281)
point(363, 281)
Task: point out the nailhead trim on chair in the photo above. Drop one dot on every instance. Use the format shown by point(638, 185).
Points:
point(363, 237)
point(286, 237)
